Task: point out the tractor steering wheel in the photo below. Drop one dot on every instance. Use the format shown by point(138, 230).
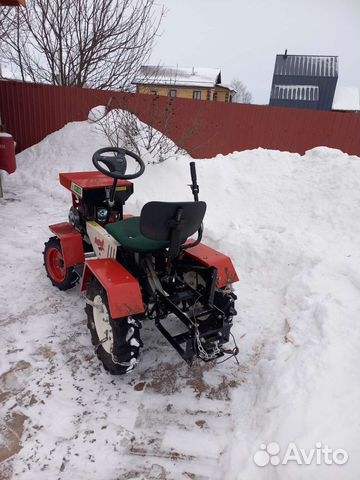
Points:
point(116, 164)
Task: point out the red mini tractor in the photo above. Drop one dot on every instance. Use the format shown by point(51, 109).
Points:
point(134, 268)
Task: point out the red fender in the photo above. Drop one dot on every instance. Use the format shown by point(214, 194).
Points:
point(123, 290)
point(71, 243)
point(209, 257)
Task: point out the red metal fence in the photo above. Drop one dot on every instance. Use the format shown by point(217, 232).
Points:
point(204, 129)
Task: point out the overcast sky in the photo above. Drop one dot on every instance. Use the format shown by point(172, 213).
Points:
point(242, 37)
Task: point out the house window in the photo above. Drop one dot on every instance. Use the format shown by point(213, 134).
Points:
point(208, 95)
point(196, 95)
point(226, 97)
point(215, 96)
point(172, 93)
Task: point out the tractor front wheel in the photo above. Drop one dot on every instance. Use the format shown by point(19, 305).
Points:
point(117, 341)
point(61, 277)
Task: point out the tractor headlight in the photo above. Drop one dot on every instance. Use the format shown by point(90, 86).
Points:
point(102, 214)
point(74, 217)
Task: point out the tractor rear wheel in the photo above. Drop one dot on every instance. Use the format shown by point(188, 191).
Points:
point(117, 341)
point(61, 277)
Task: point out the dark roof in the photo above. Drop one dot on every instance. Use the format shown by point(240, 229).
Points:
point(306, 65)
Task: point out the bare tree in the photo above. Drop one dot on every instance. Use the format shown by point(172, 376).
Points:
point(4, 23)
point(124, 129)
point(94, 43)
point(7, 24)
point(242, 95)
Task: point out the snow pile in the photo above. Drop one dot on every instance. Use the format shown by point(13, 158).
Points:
point(291, 225)
point(96, 114)
point(71, 148)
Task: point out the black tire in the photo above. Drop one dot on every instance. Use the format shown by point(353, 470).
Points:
point(61, 277)
point(122, 354)
point(225, 301)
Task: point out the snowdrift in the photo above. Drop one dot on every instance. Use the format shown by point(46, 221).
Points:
point(291, 225)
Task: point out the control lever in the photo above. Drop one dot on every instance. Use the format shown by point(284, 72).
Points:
point(194, 186)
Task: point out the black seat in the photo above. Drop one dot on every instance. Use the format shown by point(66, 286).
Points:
point(157, 219)
point(171, 221)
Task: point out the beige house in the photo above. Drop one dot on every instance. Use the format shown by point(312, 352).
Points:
point(183, 82)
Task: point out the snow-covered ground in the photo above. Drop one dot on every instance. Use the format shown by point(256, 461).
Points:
point(291, 224)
